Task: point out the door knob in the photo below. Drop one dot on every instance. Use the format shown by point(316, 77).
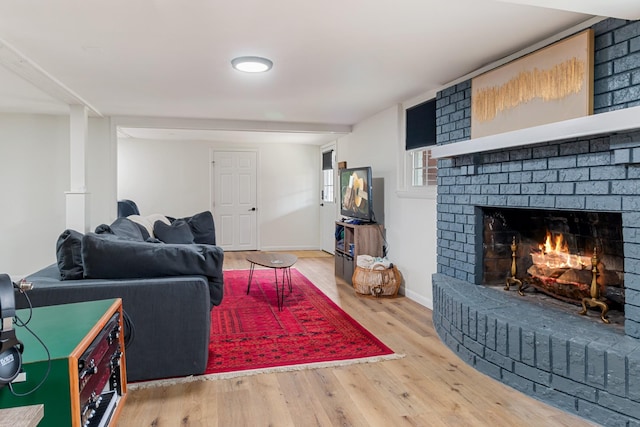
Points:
point(252, 209)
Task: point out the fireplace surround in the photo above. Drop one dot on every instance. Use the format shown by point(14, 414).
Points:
point(591, 167)
point(578, 364)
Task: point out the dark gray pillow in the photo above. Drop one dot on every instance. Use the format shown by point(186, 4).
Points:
point(127, 229)
point(178, 232)
point(69, 255)
point(202, 227)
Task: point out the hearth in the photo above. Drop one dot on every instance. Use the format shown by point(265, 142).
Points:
point(556, 252)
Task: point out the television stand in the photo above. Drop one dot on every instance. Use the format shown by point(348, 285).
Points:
point(359, 239)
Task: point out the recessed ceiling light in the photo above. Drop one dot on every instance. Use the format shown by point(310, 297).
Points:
point(251, 64)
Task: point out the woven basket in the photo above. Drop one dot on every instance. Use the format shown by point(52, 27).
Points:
point(379, 283)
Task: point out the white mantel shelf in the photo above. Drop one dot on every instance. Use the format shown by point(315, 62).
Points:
point(612, 121)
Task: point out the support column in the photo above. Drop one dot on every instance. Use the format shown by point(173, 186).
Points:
point(77, 198)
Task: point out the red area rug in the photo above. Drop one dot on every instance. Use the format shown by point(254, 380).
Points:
point(248, 332)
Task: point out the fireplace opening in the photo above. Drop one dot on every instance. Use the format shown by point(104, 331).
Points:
point(554, 253)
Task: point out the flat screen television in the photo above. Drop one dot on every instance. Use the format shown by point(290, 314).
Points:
point(356, 194)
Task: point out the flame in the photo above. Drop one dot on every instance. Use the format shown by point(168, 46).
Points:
point(554, 253)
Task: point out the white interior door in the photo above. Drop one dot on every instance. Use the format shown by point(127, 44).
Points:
point(234, 200)
point(328, 200)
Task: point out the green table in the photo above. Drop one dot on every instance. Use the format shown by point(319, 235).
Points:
point(67, 330)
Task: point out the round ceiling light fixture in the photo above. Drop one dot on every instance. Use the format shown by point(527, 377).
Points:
point(251, 64)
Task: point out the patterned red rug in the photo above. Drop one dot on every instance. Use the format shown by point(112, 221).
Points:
point(249, 333)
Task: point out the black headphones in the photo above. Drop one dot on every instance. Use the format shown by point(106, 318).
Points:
point(10, 347)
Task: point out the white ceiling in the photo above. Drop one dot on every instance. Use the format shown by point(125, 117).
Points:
point(336, 62)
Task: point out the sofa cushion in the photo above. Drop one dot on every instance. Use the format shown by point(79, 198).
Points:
point(178, 232)
point(148, 221)
point(202, 227)
point(69, 255)
point(106, 256)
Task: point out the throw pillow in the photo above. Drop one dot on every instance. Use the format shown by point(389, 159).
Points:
point(69, 255)
point(202, 227)
point(178, 232)
point(127, 229)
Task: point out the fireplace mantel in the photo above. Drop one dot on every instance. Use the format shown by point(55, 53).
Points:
point(609, 122)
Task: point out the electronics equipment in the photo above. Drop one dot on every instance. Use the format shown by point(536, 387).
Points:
point(99, 375)
point(10, 347)
point(356, 194)
point(421, 125)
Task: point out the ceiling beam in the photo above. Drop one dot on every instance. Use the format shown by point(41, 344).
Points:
point(25, 68)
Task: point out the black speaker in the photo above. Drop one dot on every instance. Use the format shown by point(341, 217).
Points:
point(10, 347)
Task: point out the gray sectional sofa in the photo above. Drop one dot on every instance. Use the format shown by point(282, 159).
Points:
point(167, 289)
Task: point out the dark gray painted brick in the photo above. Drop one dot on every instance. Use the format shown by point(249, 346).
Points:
point(497, 200)
point(513, 341)
point(518, 201)
point(626, 63)
point(601, 415)
point(610, 53)
point(499, 178)
point(616, 374)
point(577, 389)
point(625, 187)
point(631, 203)
point(619, 81)
point(559, 356)
point(607, 173)
point(560, 188)
point(502, 337)
point(592, 187)
point(528, 343)
point(542, 201)
point(602, 101)
point(522, 177)
point(545, 152)
point(618, 404)
point(596, 360)
point(571, 202)
point(604, 203)
point(534, 165)
point(577, 360)
point(488, 368)
point(577, 174)
point(562, 162)
point(545, 176)
point(628, 94)
point(519, 383)
point(634, 44)
point(532, 189)
point(577, 147)
point(509, 188)
point(601, 71)
point(559, 399)
point(543, 351)
point(538, 376)
point(603, 40)
point(627, 32)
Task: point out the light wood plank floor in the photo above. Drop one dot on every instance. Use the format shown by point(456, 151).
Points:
point(431, 386)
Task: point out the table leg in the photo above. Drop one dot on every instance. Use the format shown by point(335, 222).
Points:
point(279, 295)
point(253, 266)
point(288, 270)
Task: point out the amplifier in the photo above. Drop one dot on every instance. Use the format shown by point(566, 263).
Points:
point(99, 376)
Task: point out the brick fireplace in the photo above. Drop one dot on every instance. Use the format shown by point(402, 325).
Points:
point(576, 363)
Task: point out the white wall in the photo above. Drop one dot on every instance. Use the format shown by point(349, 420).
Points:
point(173, 178)
point(410, 223)
point(34, 174)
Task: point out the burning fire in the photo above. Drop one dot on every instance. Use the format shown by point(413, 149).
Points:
point(554, 253)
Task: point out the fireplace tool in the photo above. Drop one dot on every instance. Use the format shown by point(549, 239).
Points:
point(513, 280)
point(595, 300)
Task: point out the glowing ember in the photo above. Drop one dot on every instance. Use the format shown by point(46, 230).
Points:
point(554, 253)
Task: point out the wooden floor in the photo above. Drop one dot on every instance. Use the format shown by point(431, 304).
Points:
point(431, 386)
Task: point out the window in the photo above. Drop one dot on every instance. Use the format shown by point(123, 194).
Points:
point(327, 177)
point(424, 169)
